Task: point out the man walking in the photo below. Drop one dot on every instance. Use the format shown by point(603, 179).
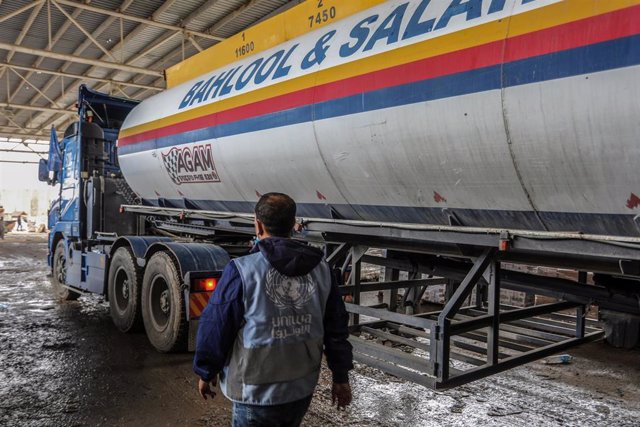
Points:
point(267, 323)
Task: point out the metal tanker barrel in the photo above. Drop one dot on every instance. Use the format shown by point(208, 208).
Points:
point(502, 113)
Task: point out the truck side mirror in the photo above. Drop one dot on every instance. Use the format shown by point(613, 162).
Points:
point(43, 171)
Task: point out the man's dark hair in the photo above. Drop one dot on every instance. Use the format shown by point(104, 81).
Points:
point(277, 212)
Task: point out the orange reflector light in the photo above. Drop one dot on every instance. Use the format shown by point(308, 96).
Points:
point(207, 284)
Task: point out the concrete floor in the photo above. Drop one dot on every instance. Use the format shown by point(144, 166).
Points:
point(66, 364)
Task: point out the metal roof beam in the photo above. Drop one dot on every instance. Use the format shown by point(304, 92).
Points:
point(79, 76)
point(290, 4)
point(199, 11)
point(120, 45)
point(19, 161)
point(98, 31)
point(221, 23)
point(133, 33)
point(215, 27)
point(24, 79)
point(39, 144)
point(71, 58)
point(233, 15)
point(85, 32)
point(79, 50)
point(12, 128)
point(160, 42)
point(25, 29)
point(22, 144)
point(149, 22)
point(195, 43)
point(2, 150)
point(7, 116)
point(24, 138)
point(52, 41)
point(10, 107)
point(22, 9)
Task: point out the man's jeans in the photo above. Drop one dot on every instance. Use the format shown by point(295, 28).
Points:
point(286, 415)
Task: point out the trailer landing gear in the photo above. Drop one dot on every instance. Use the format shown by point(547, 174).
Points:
point(470, 338)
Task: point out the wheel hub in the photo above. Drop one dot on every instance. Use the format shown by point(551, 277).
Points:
point(159, 303)
point(61, 269)
point(125, 289)
point(164, 301)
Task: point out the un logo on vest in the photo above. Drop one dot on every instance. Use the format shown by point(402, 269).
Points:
point(289, 292)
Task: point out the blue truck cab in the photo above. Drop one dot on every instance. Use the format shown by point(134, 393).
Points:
point(87, 153)
point(150, 280)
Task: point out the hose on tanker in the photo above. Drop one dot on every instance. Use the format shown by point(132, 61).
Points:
point(620, 241)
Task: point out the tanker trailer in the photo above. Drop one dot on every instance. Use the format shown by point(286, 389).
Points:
point(514, 114)
point(454, 135)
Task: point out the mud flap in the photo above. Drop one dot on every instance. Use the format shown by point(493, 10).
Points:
point(193, 331)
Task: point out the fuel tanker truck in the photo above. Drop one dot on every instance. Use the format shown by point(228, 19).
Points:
point(466, 140)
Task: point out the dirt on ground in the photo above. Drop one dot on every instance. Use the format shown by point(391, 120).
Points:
point(66, 364)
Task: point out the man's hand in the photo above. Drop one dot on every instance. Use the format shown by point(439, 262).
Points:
point(341, 393)
point(204, 388)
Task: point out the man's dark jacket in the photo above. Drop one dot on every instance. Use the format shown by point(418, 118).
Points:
point(224, 315)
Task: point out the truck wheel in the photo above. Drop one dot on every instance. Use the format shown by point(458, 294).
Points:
point(163, 309)
point(125, 282)
point(59, 275)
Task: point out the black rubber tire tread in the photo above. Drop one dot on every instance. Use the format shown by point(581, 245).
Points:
point(62, 292)
point(131, 319)
point(174, 337)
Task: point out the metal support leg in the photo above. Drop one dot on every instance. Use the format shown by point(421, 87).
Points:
point(356, 270)
point(411, 297)
point(443, 337)
point(581, 312)
point(452, 285)
point(391, 275)
point(493, 335)
point(421, 291)
point(443, 351)
point(356, 274)
point(481, 294)
point(336, 253)
point(470, 280)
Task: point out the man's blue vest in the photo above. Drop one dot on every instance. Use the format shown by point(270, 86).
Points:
point(277, 354)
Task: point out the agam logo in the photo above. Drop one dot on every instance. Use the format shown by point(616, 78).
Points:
point(191, 164)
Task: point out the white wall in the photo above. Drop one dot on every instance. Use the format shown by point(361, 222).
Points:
point(19, 186)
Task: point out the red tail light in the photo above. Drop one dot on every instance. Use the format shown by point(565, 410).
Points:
point(207, 284)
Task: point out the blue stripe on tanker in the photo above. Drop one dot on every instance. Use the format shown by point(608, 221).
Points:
point(598, 57)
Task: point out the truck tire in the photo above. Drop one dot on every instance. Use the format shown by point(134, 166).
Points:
point(59, 274)
point(124, 290)
point(163, 309)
